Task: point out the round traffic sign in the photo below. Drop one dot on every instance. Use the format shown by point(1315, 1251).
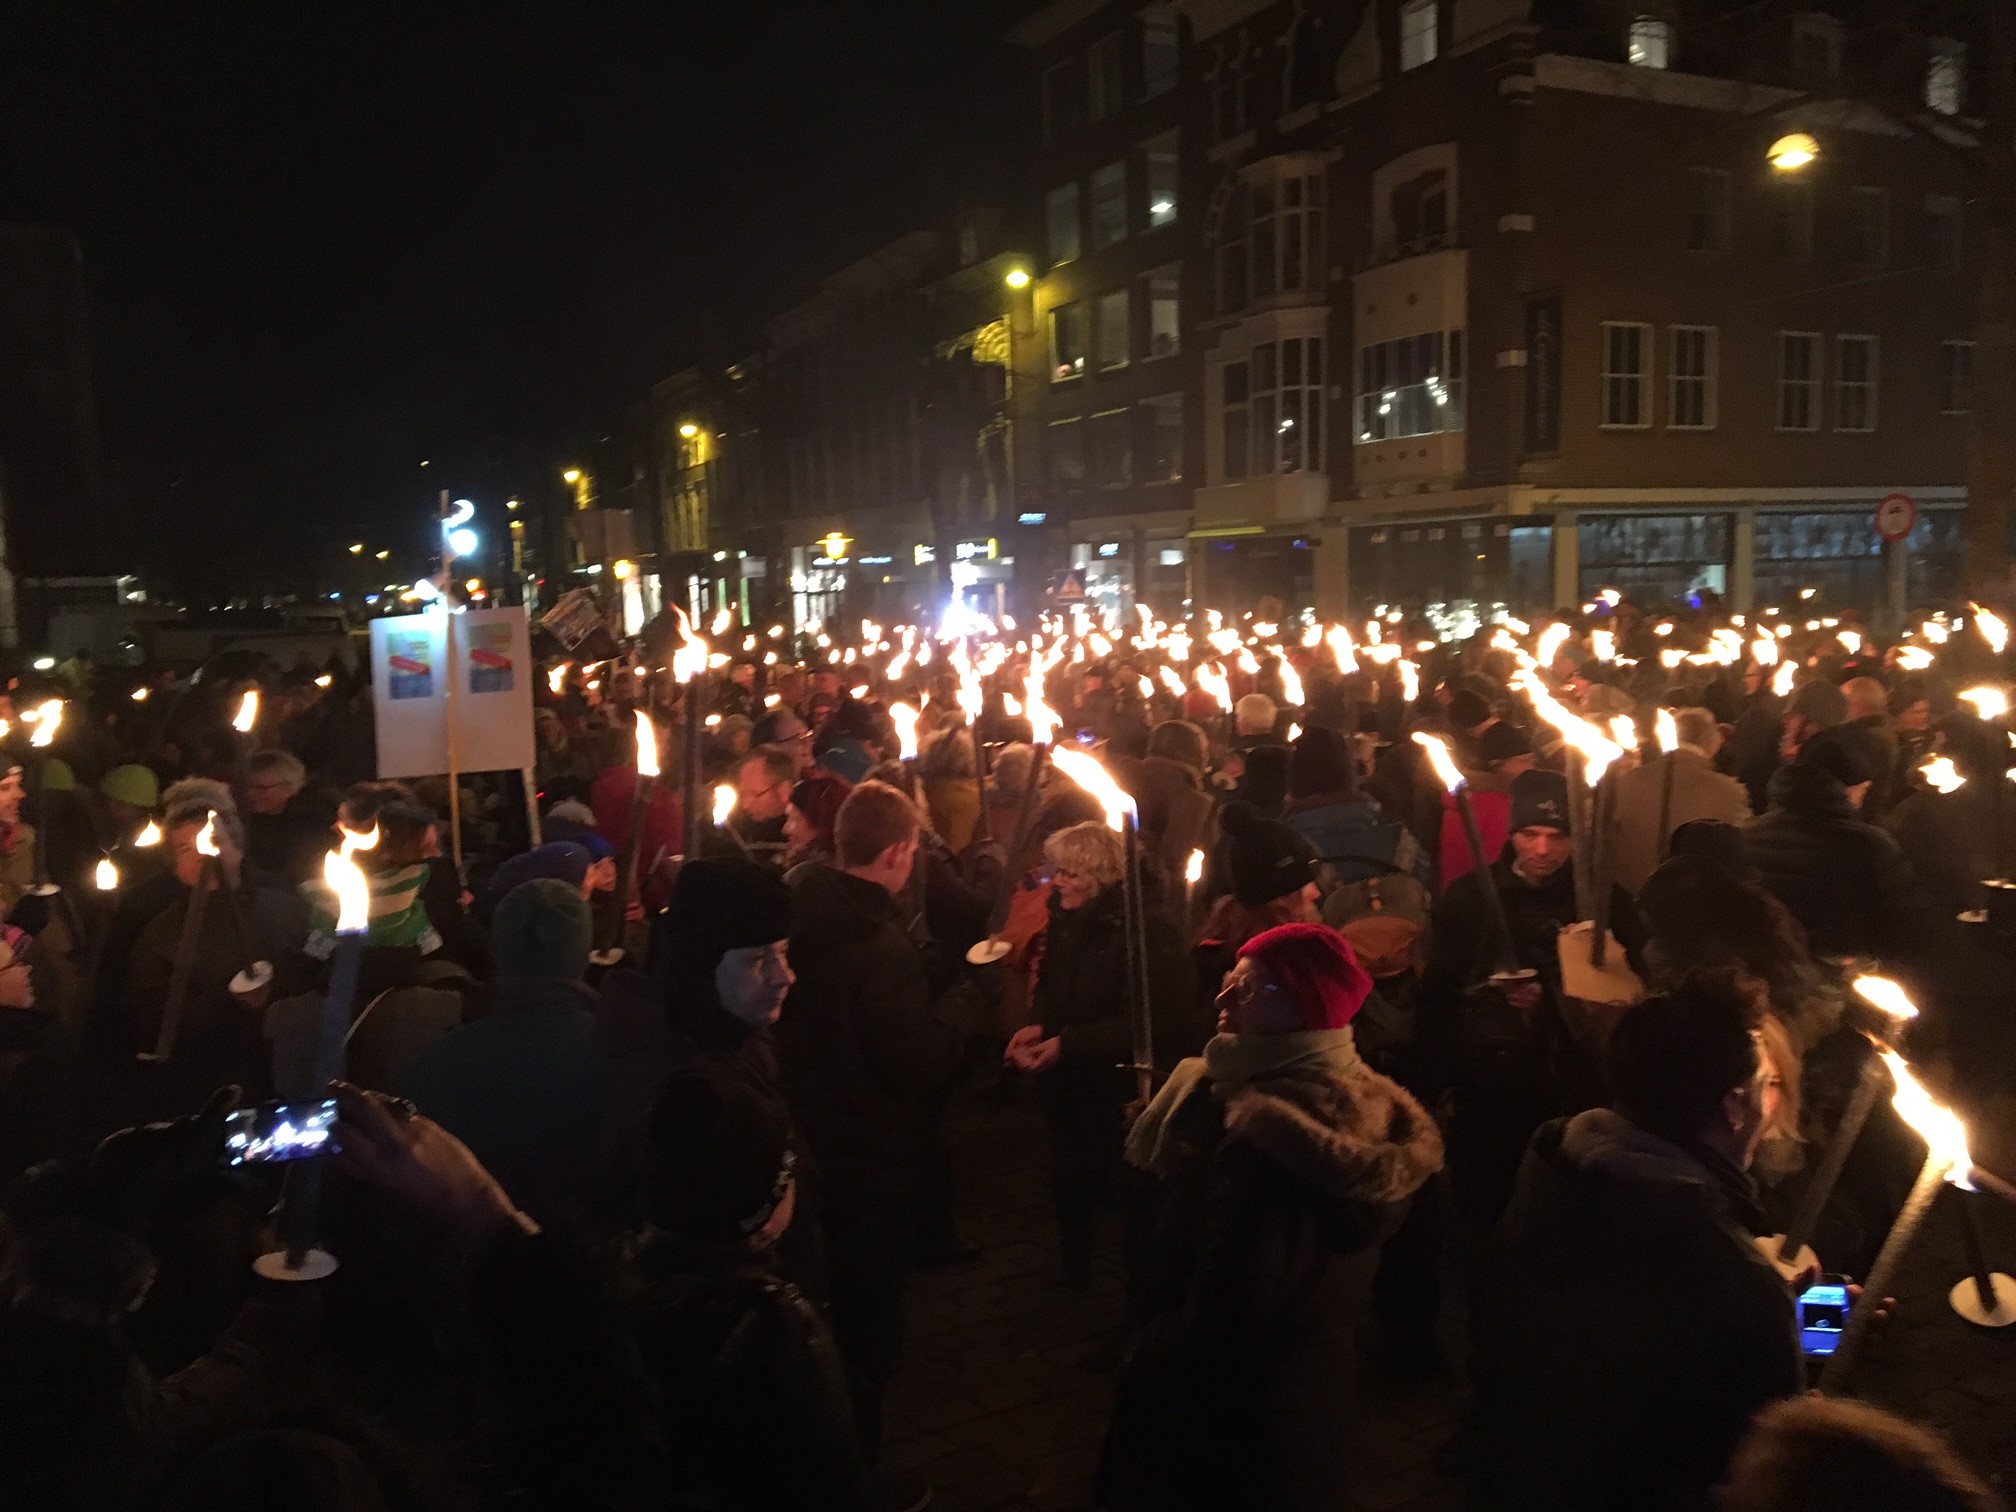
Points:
point(1895, 515)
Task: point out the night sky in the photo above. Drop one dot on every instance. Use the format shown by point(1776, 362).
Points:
point(324, 242)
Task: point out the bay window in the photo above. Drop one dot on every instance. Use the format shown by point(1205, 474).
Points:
point(1410, 386)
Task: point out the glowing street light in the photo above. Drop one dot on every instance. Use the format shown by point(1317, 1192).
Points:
point(1017, 278)
point(1792, 152)
point(689, 430)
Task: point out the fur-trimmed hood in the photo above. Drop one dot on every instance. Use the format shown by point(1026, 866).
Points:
point(1358, 1137)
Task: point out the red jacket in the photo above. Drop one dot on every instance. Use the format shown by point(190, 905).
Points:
point(611, 797)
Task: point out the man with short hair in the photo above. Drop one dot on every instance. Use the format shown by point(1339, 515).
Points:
point(1255, 715)
point(286, 833)
point(763, 784)
point(1631, 1327)
point(1678, 788)
point(866, 1055)
point(1868, 725)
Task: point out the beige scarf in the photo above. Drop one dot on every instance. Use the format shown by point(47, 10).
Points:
point(1230, 1061)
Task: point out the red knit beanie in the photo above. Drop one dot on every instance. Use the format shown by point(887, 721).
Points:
point(1315, 967)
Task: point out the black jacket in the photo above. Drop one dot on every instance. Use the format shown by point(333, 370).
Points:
point(749, 1388)
point(291, 843)
point(1081, 987)
point(1842, 878)
point(1267, 1236)
point(865, 1057)
point(1631, 1329)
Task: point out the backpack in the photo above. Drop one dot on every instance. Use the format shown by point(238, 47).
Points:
point(1384, 918)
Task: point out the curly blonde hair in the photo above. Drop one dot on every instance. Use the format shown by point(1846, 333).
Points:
point(1090, 849)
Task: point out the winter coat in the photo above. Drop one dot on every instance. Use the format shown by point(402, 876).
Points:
point(1948, 840)
point(1081, 992)
point(291, 843)
point(1254, 1284)
point(1351, 828)
point(1699, 792)
point(1178, 814)
point(1872, 736)
point(865, 1056)
point(1631, 1330)
point(1492, 807)
point(1842, 878)
point(955, 809)
point(527, 1089)
point(750, 1392)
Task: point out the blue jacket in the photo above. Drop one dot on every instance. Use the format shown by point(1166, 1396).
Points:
point(1354, 828)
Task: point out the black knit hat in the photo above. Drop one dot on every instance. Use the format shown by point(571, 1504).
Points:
point(1539, 799)
point(720, 1156)
point(719, 906)
point(1319, 762)
point(1268, 859)
point(1502, 742)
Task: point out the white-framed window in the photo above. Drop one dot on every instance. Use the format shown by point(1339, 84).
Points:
point(1286, 235)
point(1162, 438)
point(1627, 375)
point(1948, 245)
point(1410, 386)
point(1946, 76)
point(1109, 204)
point(1816, 45)
point(1163, 288)
point(1067, 342)
point(1690, 377)
point(1869, 225)
point(1112, 448)
point(1161, 54)
point(1792, 221)
point(1287, 404)
point(1235, 392)
point(1161, 159)
point(1113, 333)
point(1105, 76)
point(1063, 100)
point(1855, 383)
point(1066, 446)
point(1648, 42)
point(1798, 380)
point(1060, 216)
point(1418, 40)
point(1956, 377)
point(1711, 213)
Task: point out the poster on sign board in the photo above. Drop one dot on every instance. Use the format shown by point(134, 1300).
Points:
point(473, 668)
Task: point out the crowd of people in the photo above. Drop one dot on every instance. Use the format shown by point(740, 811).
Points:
point(642, 1114)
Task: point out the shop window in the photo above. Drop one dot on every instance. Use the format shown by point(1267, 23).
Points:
point(1162, 438)
point(1112, 449)
point(1164, 289)
point(1855, 383)
point(1798, 380)
point(1626, 375)
point(1412, 386)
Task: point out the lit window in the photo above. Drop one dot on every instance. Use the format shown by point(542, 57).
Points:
point(1109, 205)
point(1816, 45)
point(1417, 34)
point(1709, 210)
point(1690, 369)
point(1412, 386)
point(1061, 216)
point(1625, 375)
point(1798, 380)
point(1162, 435)
point(1287, 405)
point(1855, 383)
point(1956, 377)
point(1160, 55)
point(1113, 331)
point(1869, 226)
point(1946, 76)
point(1103, 74)
point(1067, 342)
point(1165, 322)
point(1161, 156)
point(1649, 42)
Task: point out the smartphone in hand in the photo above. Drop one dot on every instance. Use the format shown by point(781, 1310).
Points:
point(1823, 1314)
point(280, 1131)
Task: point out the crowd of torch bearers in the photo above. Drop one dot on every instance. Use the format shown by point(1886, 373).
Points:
point(994, 667)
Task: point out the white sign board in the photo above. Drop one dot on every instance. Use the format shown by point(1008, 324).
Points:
point(488, 655)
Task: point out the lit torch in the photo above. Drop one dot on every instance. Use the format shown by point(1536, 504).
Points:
point(248, 712)
point(1451, 777)
point(1082, 769)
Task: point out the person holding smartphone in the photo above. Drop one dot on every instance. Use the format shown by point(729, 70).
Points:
point(1630, 1329)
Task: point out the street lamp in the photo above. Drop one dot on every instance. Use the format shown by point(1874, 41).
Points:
point(356, 548)
point(1017, 278)
point(572, 475)
point(1792, 152)
point(689, 430)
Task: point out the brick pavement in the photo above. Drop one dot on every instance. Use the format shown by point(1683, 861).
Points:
point(1007, 1377)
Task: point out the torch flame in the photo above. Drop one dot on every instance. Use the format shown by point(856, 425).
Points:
point(724, 803)
point(647, 746)
point(1193, 869)
point(1624, 730)
point(1913, 658)
point(1549, 645)
point(206, 838)
point(346, 879)
point(1764, 651)
point(108, 875)
point(1993, 629)
point(1881, 992)
point(722, 621)
point(556, 679)
point(1291, 684)
point(248, 712)
point(1211, 678)
point(1989, 703)
point(1942, 775)
point(1439, 758)
point(1782, 680)
point(151, 835)
point(1597, 749)
point(905, 719)
point(1667, 728)
point(48, 717)
point(1851, 641)
point(1086, 771)
point(1410, 680)
point(1339, 637)
point(689, 662)
point(1603, 645)
point(140, 695)
point(1938, 1125)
